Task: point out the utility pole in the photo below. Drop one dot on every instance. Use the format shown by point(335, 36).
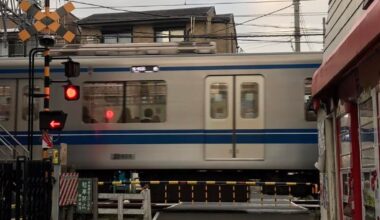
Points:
point(297, 32)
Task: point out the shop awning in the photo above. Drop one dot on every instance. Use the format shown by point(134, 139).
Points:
point(362, 36)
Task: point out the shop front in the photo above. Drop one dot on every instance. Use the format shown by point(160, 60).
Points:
point(346, 92)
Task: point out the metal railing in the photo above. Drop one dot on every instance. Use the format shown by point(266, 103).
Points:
point(145, 210)
point(25, 189)
point(10, 147)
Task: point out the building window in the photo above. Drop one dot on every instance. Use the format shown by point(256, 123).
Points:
point(310, 114)
point(368, 159)
point(169, 35)
point(117, 38)
point(124, 102)
point(16, 48)
point(345, 157)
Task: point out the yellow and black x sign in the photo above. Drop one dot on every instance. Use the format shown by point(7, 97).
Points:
point(46, 21)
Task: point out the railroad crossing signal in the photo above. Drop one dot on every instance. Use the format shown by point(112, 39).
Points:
point(52, 120)
point(72, 92)
point(46, 21)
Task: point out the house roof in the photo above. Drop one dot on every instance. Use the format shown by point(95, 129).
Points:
point(127, 17)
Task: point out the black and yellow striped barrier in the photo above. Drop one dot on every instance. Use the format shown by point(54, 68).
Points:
point(219, 184)
point(208, 182)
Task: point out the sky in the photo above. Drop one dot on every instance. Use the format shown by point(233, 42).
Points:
point(279, 23)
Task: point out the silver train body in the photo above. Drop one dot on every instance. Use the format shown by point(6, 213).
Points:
point(212, 111)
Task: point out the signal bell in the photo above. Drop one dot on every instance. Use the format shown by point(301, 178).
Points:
point(72, 92)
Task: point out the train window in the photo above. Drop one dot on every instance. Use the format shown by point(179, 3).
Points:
point(310, 114)
point(5, 102)
point(219, 101)
point(124, 102)
point(249, 100)
point(36, 103)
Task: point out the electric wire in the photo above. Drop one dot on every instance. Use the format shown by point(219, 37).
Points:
point(253, 19)
point(94, 6)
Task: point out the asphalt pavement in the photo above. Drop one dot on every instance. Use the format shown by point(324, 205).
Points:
point(235, 211)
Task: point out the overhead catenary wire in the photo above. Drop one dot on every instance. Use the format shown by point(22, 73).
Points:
point(305, 32)
point(210, 36)
point(119, 7)
point(123, 10)
point(253, 19)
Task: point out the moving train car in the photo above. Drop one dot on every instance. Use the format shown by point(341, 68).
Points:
point(245, 112)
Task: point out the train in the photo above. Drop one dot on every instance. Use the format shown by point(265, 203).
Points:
point(176, 112)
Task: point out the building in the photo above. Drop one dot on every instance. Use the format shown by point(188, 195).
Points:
point(10, 45)
point(175, 25)
point(346, 94)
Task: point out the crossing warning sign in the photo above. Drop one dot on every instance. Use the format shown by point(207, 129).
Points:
point(45, 21)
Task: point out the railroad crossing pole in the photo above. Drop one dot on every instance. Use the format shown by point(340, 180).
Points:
point(46, 92)
point(46, 75)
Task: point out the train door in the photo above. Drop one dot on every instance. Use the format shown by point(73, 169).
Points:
point(8, 100)
point(234, 111)
point(22, 109)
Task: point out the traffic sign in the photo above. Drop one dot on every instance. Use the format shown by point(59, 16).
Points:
point(46, 21)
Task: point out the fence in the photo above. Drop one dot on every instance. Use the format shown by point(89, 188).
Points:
point(25, 189)
point(120, 211)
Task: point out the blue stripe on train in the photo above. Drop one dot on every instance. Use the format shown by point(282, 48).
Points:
point(270, 136)
point(172, 68)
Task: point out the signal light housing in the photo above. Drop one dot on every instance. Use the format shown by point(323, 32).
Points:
point(52, 120)
point(72, 69)
point(72, 92)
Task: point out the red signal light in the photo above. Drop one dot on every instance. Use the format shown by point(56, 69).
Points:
point(55, 124)
point(109, 114)
point(72, 92)
point(52, 120)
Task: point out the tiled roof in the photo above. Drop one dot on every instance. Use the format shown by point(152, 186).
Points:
point(146, 15)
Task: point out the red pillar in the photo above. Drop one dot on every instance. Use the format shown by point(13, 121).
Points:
point(356, 171)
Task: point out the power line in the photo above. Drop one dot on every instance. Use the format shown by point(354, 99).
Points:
point(256, 18)
point(118, 9)
point(93, 6)
point(304, 31)
point(208, 35)
point(279, 41)
point(253, 19)
point(283, 14)
point(280, 27)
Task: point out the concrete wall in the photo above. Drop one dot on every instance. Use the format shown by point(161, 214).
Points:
point(89, 35)
point(225, 35)
point(143, 34)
